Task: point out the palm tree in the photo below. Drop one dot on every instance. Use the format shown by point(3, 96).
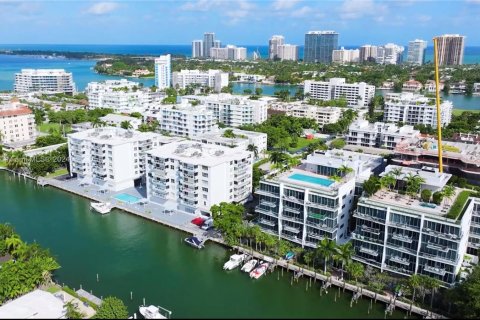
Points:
point(293, 162)
point(448, 191)
point(344, 254)
point(96, 123)
point(414, 283)
point(326, 249)
point(276, 157)
point(253, 148)
point(16, 160)
point(433, 284)
point(343, 169)
point(355, 270)
point(414, 183)
point(13, 242)
point(228, 133)
point(389, 181)
point(336, 178)
point(126, 125)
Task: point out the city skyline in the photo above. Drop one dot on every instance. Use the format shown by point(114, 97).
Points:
point(235, 21)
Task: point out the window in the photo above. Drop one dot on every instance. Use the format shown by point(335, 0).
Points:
point(205, 175)
point(341, 227)
point(205, 189)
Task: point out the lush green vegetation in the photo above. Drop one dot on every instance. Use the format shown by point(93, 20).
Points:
point(77, 116)
point(458, 112)
point(79, 98)
point(457, 206)
point(341, 125)
point(125, 66)
point(283, 132)
point(50, 162)
point(51, 139)
point(54, 127)
point(30, 266)
point(112, 308)
point(465, 297)
point(338, 143)
point(465, 122)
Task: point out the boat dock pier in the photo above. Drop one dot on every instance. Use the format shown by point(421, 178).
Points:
point(90, 297)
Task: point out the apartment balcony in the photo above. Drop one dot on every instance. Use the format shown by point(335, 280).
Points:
point(321, 206)
point(374, 231)
point(267, 212)
point(442, 235)
point(315, 235)
point(242, 176)
point(434, 246)
point(292, 219)
point(437, 258)
point(368, 217)
point(397, 270)
point(400, 260)
point(161, 194)
point(324, 226)
point(371, 252)
point(403, 249)
point(267, 222)
point(293, 199)
point(291, 229)
point(291, 238)
point(77, 157)
point(404, 226)
point(367, 261)
point(435, 270)
point(402, 237)
point(267, 193)
point(320, 217)
point(361, 237)
point(292, 210)
point(268, 203)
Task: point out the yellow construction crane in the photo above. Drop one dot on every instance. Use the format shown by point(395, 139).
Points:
point(439, 115)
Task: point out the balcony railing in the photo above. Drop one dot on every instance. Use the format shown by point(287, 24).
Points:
point(268, 193)
point(293, 199)
point(368, 217)
point(291, 229)
point(402, 237)
point(439, 258)
point(290, 209)
point(442, 235)
point(402, 225)
point(435, 270)
point(371, 252)
point(267, 222)
point(400, 260)
point(293, 219)
point(435, 246)
point(268, 203)
point(265, 211)
point(321, 206)
point(358, 236)
point(370, 230)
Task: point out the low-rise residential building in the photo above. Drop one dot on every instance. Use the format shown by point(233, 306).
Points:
point(116, 120)
point(356, 94)
point(458, 87)
point(476, 88)
point(231, 137)
point(183, 119)
point(45, 81)
point(404, 235)
point(197, 176)
point(412, 86)
point(110, 157)
point(215, 79)
point(244, 77)
point(121, 96)
point(304, 205)
point(460, 159)
point(379, 134)
point(17, 124)
point(430, 86)
point(413, 109)
point(323, 115)
point(234, 110)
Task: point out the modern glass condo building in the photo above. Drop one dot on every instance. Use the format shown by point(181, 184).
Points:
point(319, 46)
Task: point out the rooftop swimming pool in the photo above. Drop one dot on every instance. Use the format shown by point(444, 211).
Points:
point(128, 198)
point(316, 180)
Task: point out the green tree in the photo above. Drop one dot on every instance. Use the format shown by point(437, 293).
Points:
point(72, 311)
point(372, 185)
point(112, 308)
point(414, 282)
point(344, 255)
point(253, 148)
point(343, 170)
point(448, 191)
point(355, 270)
point(258, 91)
point(426, 195)
point(337, 143)
point(126, 125)
point(437, 197)
point(228, 133)
point(326, 248)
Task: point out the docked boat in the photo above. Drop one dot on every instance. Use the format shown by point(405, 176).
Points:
point(101, 207)
point(194, 242)
point(248, 267)
point(151, 312)
point(235, 261)
point(259, 271)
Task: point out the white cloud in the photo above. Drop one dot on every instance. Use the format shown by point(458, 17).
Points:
point(201, 5)
point(302, 12)
point(284, 4)
point(424, 18)
point(102, 8)
point(354, 9)
point(240, 9)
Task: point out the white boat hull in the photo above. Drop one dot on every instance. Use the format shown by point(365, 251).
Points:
point(259, 271)
point(249, 266)
point(101, 207)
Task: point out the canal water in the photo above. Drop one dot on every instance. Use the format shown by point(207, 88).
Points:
point(131, 254)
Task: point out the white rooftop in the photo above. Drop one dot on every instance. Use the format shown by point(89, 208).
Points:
point(45, 72)
point(37, 304)
point(112, 135)
point(432, 176)
point(199, 153)
point(118, 118)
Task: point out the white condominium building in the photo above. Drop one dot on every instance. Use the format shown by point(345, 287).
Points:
point(304, 205)
point(197, 49)
point(235, 111)
point(323, 115)
point(110, 157)
point(231, 137)
point(379, 134)
point(17, 123)
point(368, 53)
point(116, 120)
point(215, 79)
point(389, 54)
point(345, 56)
point(416, 51)
point(412, 109)
point(230, 52)
point(356, 94)
point(45, 81)
point(121, 96)
point(287, 52)
point(197, 176)
point(163, 72)
point(184, 120)
point(244, 77)
point(273, 44)
point(404, 235)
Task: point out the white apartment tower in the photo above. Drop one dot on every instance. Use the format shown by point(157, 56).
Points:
point(368, 53)
point(197, 49)
point(110, 157)
point(287, 52)
point(416, 51)
point(163, 72)
point(356, 94)
point(273, 44)
point(44, 80)
point(345, 56)
point(412, 109)
point(323, 115)
point(450, 49)
point(17, 123)
point(215, 79)
point(197, 176)
point(208, 43)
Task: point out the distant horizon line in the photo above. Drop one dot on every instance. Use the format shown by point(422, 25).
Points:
point(183, 44)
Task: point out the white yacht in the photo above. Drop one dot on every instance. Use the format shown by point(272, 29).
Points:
point(248, 267)
point(151, 312)
point(234, 261)
point(259, 271)
point(101, 207)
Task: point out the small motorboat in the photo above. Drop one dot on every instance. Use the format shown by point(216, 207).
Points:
point(248, 267)
point(289, 256)
point(151, 312)
point(235, 261)
point(195, 242)
point(259, 271)
point(101, 207)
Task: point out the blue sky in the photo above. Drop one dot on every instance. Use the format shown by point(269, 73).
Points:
point(234, 21)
